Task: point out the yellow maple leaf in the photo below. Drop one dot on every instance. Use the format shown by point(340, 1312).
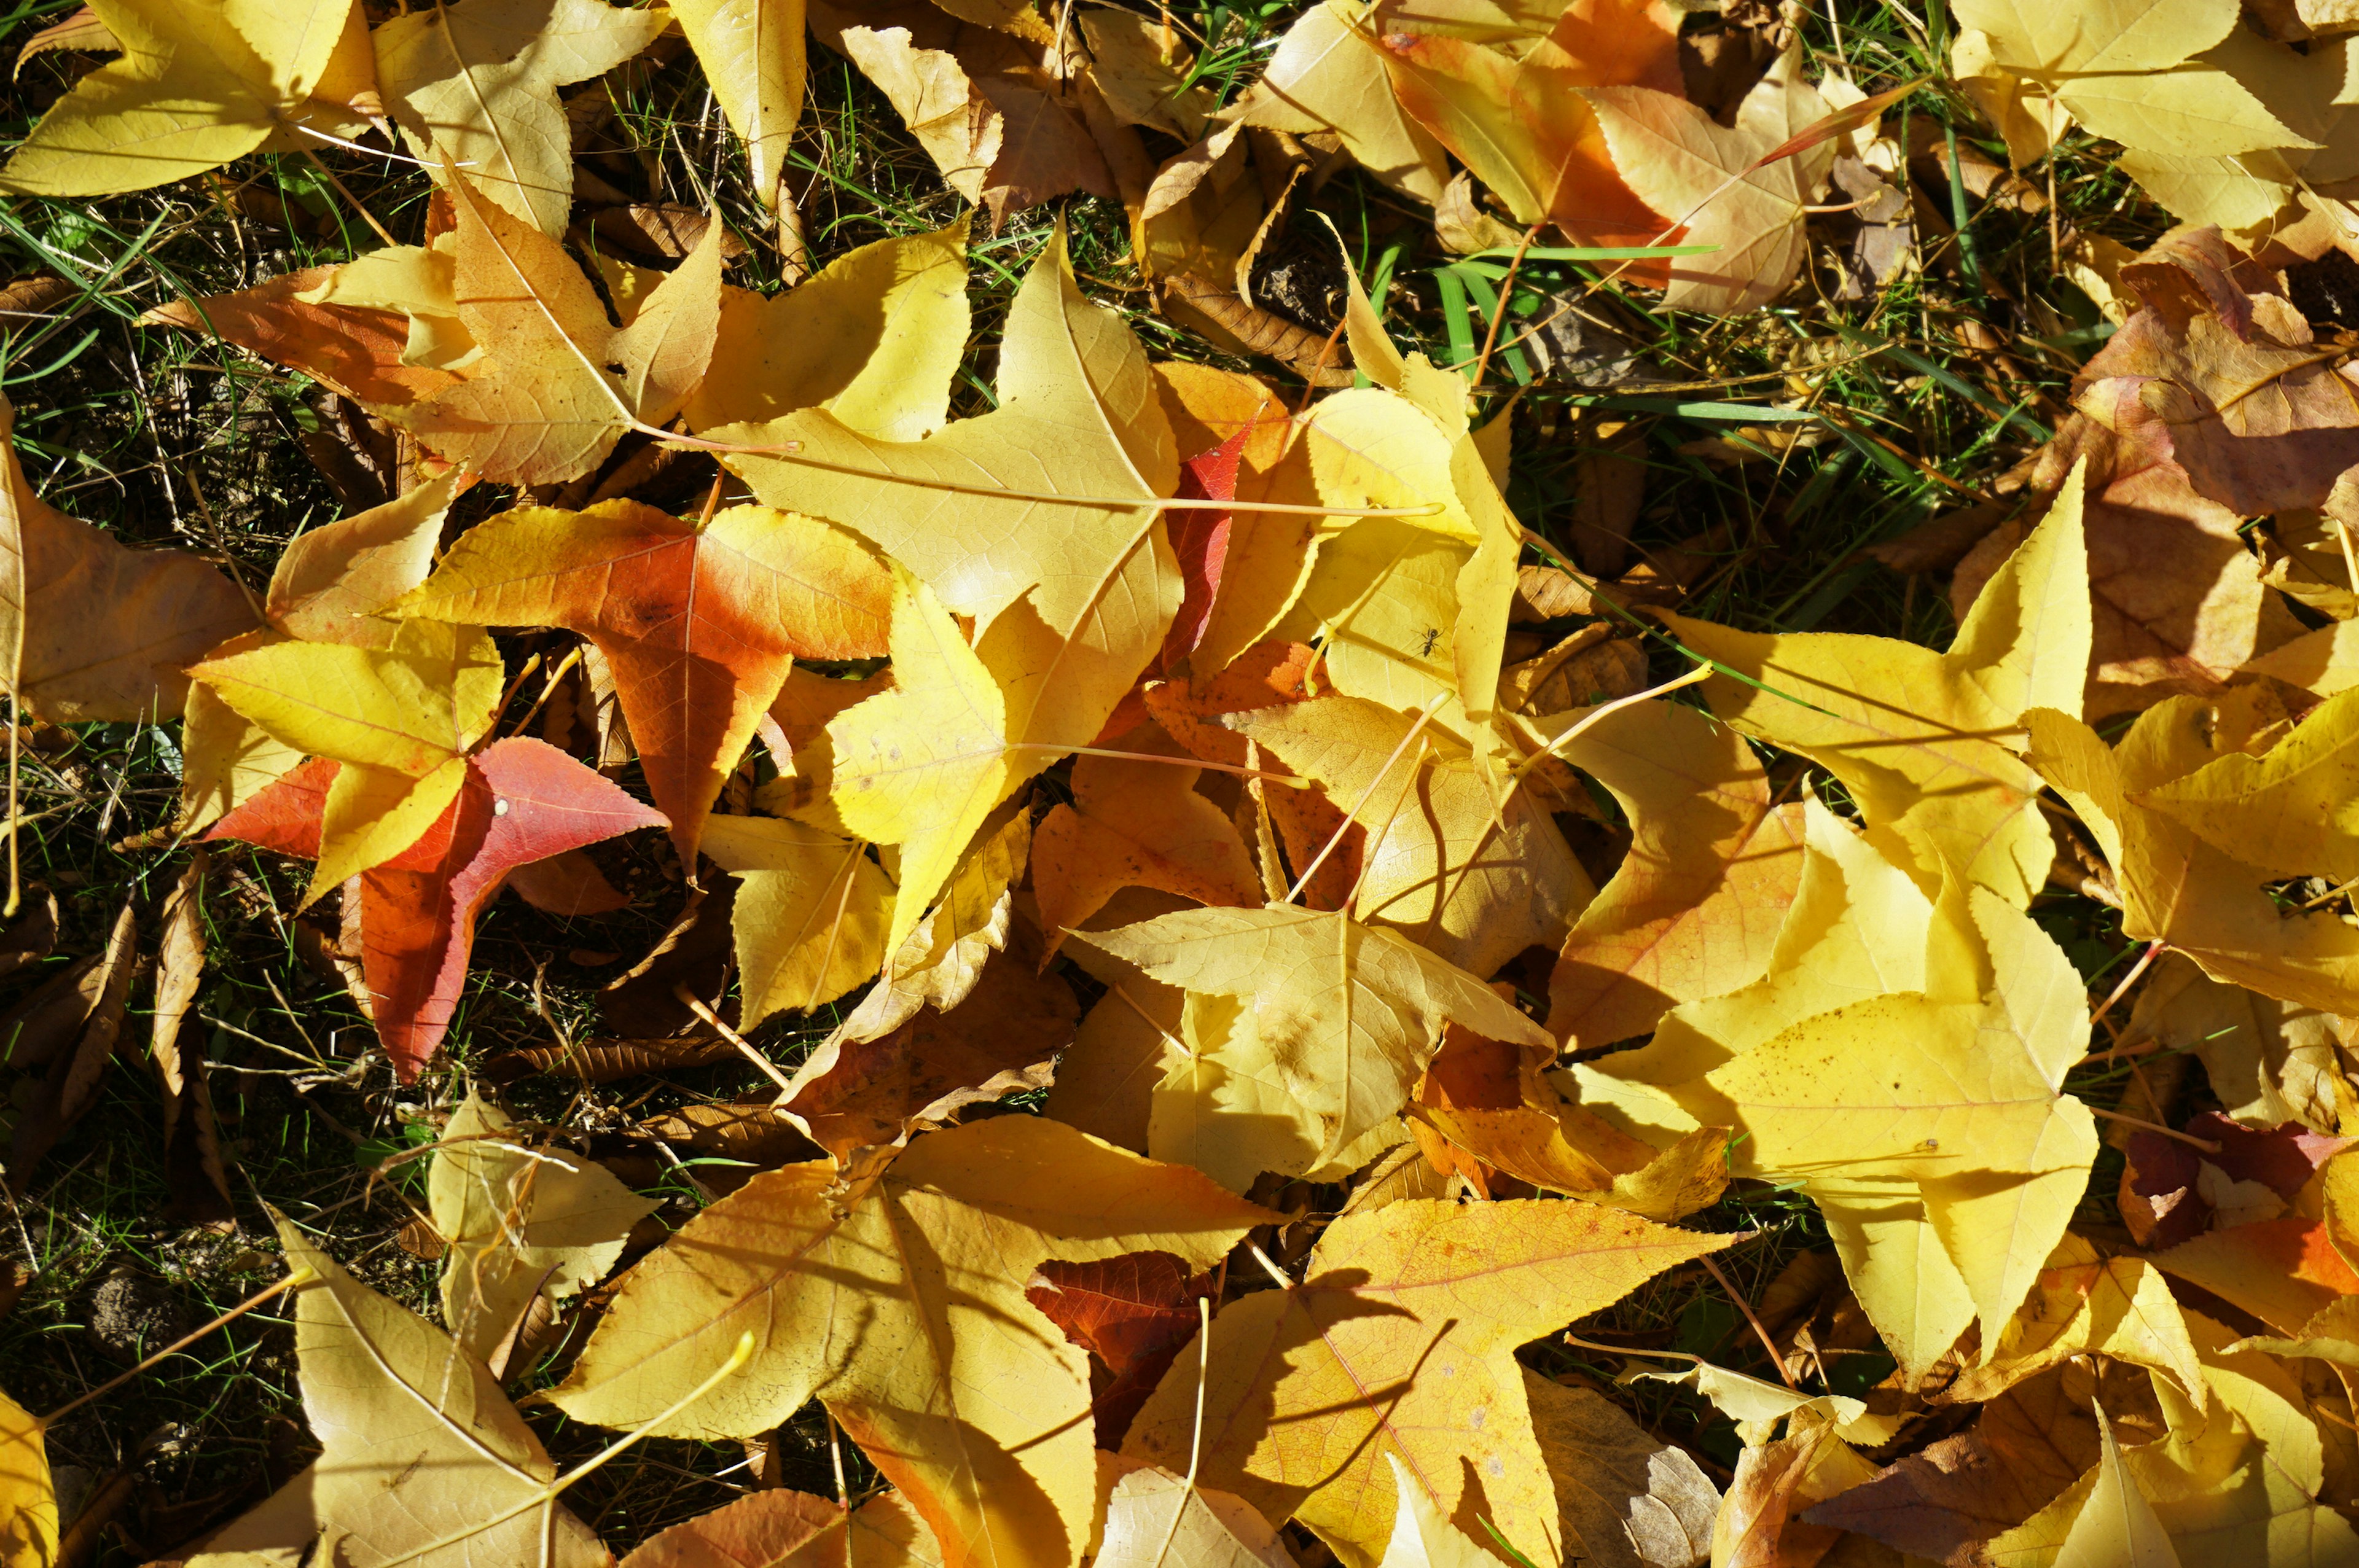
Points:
point(425, 1461)
point(1929, 743)
point(2178, 887)
point(28, 1499)
point(2129, 70)
point(520, 1223)
point(959, 1390)
point(197, 86)
point(401, 719)
point(1401, 1343)
point(1347, 1014)
point(1445, 864)
point(752, 51)
point(812, 911)
point(476, 83)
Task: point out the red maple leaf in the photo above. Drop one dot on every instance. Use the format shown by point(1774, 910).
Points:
point(523, 801)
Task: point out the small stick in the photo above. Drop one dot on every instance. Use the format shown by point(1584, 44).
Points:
point(2152, 949)
point(367, 216)
point(16, 725)
point(549, 688)
point(712, 1021)
point(1761, 1333)
point(301, 1276)
point(2137, 1121)
point(835, 1455)
point(1289, 780)
point(1196, 1438)
point(1507, 292)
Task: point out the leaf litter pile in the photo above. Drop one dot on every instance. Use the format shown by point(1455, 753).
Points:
point(1248, 828)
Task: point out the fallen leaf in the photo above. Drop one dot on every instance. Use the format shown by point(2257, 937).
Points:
point(356, 350)
point(522, 1222)
point(476, 83)
point(1422, 1536)
point(1293, 1419)
point(1763, 1521)
point(2030, 1445)
point(2083, 1304)
point(874, 338)
point(992, 1202)
point(1445, 860)
point(89, 1017)
point(810, 916)
point(2127, 72)
point(1694, 909)
point(2259, 415)
point(2116, 1527)
point(1154, 1518)
point(2286, 811)
point(1136, 823)
point(1937, 776)
point(515, 801)
point(1077, 595)
point(193, 1148)
point(1623, 1498)
point(950, 118)
point(195, 88)
point(1737, 189)
point(1328, 75)
point(326, 589)
point(752, 51)
point(391, 1396)
point(855, 1095)
point(794, 1530)
point(698, 620)
point(1490, 1100)
point(1953, 1097)
point(943, 955)
point(2178, 601)
point(1514, 117)
point(29, 1501)
point(2283, 1271)
point(1347, 1014)
point(542, 406)
point(2175, 887)
point(1194, 713)
point(402, 717)
point(1133, 1314)
point(98, 630)
point(2269, 1062)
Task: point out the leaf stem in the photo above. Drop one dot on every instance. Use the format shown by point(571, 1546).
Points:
point(1424, 717)
point(1289, 780)
point(551, 1492)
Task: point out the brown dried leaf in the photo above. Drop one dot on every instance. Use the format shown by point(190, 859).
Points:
point(87, 1002)
point(854, 1095)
